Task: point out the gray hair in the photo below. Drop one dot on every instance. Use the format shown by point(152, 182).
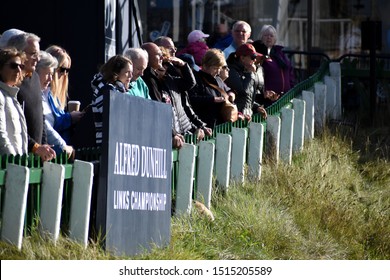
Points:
point(20, 41)
point(136, 53)
point(241, 22)
point(46, 60)
point(270, 29)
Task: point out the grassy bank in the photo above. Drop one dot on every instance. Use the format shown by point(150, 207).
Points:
point(333, 202)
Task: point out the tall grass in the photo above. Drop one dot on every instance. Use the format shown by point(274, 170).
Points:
point(333, 202)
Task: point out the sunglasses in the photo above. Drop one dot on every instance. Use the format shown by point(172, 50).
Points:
point(14, 65)
point(63, 70)
point(253, 56)
point(225, 67)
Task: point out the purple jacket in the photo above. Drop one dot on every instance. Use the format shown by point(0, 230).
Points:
point(278, 71)
point(197, 50)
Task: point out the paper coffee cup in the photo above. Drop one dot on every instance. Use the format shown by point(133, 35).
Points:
point(73, 105)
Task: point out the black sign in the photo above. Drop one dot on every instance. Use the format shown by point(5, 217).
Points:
point(135, 182)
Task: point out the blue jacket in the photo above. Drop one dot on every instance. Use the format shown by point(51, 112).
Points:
point(63, 120)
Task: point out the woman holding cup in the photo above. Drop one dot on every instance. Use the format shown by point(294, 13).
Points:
point(59, 88)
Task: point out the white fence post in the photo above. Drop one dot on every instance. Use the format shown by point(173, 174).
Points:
point(273, 138)
point(319, 106)
point(206, 153)
point(335, 73)
point(222, 160)
point(331, 98)
point(15, 201)
point(51, 199)
point(255, 149)
point(185, 180)
point(299, 107)
point(308, 97)
point(237, 165)
point(286, 134)
point(81, 201)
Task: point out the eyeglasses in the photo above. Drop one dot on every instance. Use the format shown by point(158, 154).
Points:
point(14, 65)
point(253, 56)
point(63, 70)
point(225, 67)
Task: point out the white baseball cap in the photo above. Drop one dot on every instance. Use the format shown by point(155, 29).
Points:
point(196, 35)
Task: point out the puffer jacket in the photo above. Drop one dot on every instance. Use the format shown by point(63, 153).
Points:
point(175, 86)
point(247, 85)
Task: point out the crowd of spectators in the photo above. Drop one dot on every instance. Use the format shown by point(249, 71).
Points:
point(196, 81)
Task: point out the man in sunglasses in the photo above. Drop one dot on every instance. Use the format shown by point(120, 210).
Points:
point(30, 95)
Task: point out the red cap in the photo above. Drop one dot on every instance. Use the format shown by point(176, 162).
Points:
point(247, 49)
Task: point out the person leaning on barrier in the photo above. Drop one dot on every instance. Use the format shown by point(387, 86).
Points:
point(166, 87)
point(246, 79)
point(114, 76)
point(278, 71)
point(64, 121)
point(13, 128)
point(46, 67)
point(30, 96)
point(185, 100)
point(169, 49)
point(206, 96)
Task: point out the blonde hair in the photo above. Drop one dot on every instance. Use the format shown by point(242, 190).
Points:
point(213, 57)
point(59, 86)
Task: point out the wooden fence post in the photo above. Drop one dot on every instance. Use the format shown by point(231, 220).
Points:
point(273, 138)
point(255, 149)
point(308, 97)
point(81, 201)
point(51, 199)
point(15, 201)
point(299, 107)
point(222, 160)
point(206, 153)
point(237, 165)
point(185, 181)
point(286, 134)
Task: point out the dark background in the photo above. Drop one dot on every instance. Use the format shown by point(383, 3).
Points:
point(77, 26)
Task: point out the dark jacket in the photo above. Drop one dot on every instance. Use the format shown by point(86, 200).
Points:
point(247, 85)
point(172, 90)
point(278, 71)
point(30, 98)
point(202, 98)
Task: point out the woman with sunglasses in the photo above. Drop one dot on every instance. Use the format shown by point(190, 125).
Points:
point(246, 79)
point(59, 88)
point(13, 128)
